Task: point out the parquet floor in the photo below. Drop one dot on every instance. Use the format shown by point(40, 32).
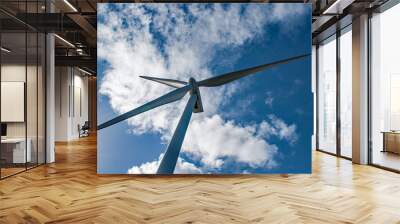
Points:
point(70, 191)
point(10, 171)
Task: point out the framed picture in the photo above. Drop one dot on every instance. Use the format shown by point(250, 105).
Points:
point(204, 88)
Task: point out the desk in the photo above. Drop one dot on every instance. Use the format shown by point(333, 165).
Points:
point(15, 148)
point(391, 141)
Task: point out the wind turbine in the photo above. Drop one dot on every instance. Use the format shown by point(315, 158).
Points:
point(194, 105)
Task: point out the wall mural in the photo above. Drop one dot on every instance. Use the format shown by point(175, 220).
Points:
point(204, 88)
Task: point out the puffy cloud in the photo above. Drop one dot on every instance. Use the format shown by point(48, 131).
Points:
point(211, 140)
point(182, 167)
point(277, 127)
point(175, 41)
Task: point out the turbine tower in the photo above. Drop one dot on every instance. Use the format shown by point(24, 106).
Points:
point(194, 105)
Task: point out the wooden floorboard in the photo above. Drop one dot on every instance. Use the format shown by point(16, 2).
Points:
point(70, 191)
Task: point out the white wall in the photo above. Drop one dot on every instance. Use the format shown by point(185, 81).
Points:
point(314, 92)
point(33, 125)
point(79, 110)
point(17, 73)
point(61, 103)
point(10, 73)
point(71, 102)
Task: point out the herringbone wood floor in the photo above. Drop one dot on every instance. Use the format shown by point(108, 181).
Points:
point(70, 191)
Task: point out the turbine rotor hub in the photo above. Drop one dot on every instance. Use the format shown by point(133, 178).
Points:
point(198, 107)
point(192, 80)
point(193, 83)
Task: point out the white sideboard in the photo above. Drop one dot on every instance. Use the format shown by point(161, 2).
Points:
point(19, 153)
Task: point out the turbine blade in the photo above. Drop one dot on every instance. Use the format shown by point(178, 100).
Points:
point(167, 98)
point(168, 162)
point(169, 82)
point(231, 76)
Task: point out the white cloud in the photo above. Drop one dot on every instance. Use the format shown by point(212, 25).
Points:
point(277, 127)
point(182, 167)
point(269, 99)
point(212, 139)
point(127, 41)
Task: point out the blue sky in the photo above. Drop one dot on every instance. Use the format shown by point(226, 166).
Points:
point(260, 124)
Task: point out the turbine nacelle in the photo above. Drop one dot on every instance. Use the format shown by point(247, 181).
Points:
point(192, 83)
point(198, 106)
